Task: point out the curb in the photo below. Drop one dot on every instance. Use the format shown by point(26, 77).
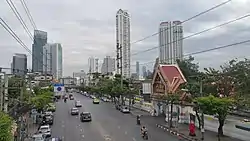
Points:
point(175, 133)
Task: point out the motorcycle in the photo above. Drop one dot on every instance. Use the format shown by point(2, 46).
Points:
point(65, 100)
point(138, 120)
point(145, 135)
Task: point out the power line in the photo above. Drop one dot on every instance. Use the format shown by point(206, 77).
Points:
point(207, 50)
point(193, 17)
point(19, 17)
point(13, 34)
point(195, 34)
point(28, 14)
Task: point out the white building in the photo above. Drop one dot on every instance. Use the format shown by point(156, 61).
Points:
point(52, 58)
point(93, 64)
point(108, 65)
point(170, 42)
point(123, 43)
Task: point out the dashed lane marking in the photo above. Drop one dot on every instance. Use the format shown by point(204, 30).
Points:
point(83, 136)
point(134, 139)
point(119, 127)
point(126, 132)
point(63, 126)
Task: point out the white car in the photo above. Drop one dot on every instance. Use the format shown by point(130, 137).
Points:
point(45, 130)
point(78, 103)
point(38, 137)
point(125, 109)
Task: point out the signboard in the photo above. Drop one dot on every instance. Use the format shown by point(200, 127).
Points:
point(59, 87)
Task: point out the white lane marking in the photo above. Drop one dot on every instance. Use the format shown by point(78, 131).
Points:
point(62, 121)
point(119, 127)
point(81, 130)
point(82, 136)
point(63, 126)
point(126, 132)
point(62, 137)
point(134, 139)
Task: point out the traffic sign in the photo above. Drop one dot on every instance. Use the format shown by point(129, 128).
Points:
point(58, 87)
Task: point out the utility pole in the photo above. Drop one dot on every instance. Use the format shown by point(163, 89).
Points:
point(202, 113)
point(1, 93)
point(21, 133)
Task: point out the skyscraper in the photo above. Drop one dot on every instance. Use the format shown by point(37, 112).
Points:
point(123, 43)
point(170, 42)
point(144, 71)
point(108, 65)
point(93, 64)
point(138, 69)
point(40, 39)
point(19, 64)
point(52, 58)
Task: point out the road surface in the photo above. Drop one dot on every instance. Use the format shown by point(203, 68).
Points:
point(107, 124)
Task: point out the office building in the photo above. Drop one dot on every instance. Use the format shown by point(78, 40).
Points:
point(170, 42)
point(137, 69)
point(108, 65)
point(19, 64)
point(144, 71)
point(93, 64)
point(52, 58)
point(123, 43)
point(40, 39)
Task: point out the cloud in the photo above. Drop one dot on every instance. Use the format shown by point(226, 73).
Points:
point(87, 28)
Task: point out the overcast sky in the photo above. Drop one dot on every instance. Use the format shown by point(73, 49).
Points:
point(86, 28)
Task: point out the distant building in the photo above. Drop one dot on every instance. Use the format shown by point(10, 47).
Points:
point(144, 71)
point(138, 69)
point(93, 64)
point(108, 65)
point(170, 42)
point(19, 64)
point(52, 58)
point(40, 39)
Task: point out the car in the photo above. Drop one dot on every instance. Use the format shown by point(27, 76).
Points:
point(85, 116)
point(74, 111)
point(71, 97)
point(55, 139)
point(45, 130)
point(96, 101)
point(38, 137)
point(125, 109)
point(49, 119)
point(78, 103)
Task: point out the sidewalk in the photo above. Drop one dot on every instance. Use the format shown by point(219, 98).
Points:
point(182, 131)
point(31, 130)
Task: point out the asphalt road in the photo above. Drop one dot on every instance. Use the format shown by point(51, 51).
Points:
point(107, 124)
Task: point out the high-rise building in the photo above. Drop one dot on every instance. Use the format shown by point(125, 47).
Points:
point(138, 69)
point(52, 58)
point(144, 71)
point(19, 64)
point(170, 42)
point(40, 39)
point(93, 64)
point(123, 43)
point(108, 65)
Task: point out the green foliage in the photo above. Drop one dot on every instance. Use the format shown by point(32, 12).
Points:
point(42, 98)
point(15, 83)
point(5, 127)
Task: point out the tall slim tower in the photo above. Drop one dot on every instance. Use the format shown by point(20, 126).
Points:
point(170, 42)
point(123, 43)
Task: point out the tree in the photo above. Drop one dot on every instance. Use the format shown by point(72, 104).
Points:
point(191, 72)
point(172, 98)
point(215, 106)
point(14, 84)
point(6, 123)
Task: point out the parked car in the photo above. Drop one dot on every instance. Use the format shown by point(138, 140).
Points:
point(49, 119)
point(38, 137)
point(74, 111)
point(85, 116)
point(45, 130)
point(78, 103)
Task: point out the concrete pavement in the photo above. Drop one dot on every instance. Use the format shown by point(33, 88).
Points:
point(107, 124)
